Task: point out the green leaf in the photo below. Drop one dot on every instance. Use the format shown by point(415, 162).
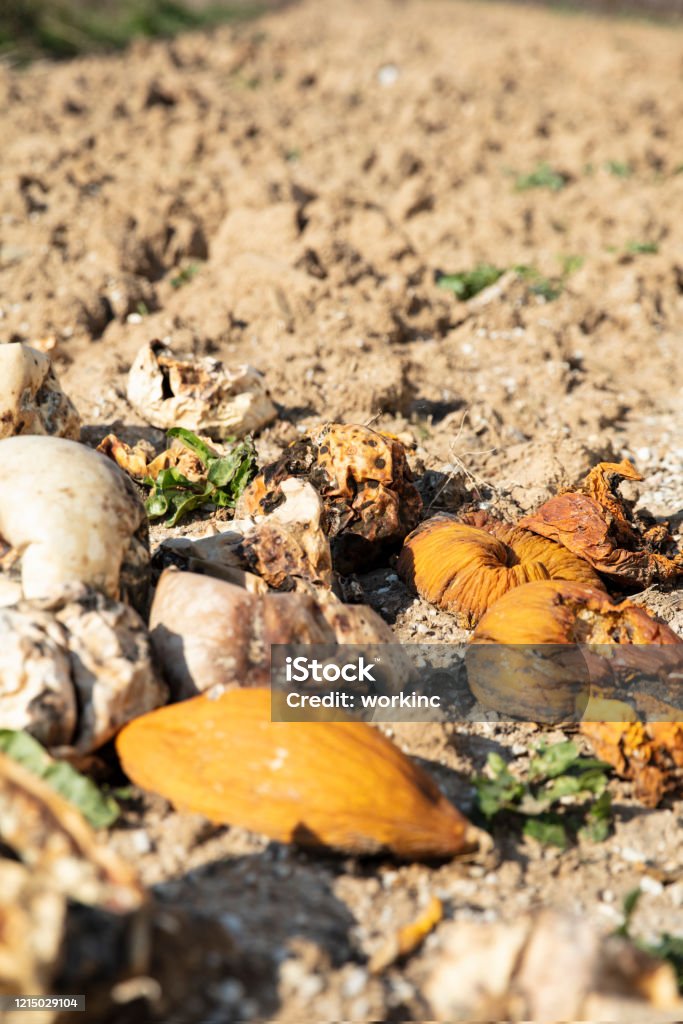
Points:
point(184, 503)
point(547, 832)
point(643, 248)
point(549, 762)
point(598, 819)
point(619, 168)
point(185, 275)
point(543, 176)
point(174, 495)
point(157, 505)
point(468, 283)
point(631, 900)
point(99, 810)
point(194, 443)
point(500, 792)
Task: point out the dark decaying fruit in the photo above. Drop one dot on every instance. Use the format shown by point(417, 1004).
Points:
point(370, 502)
point(594, 522)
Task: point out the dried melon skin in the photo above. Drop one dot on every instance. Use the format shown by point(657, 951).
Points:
point(334, 784)
point(593, 522)
point(466, 569)
point(200, 394)
point(544, 650)
point(72, 676)
point(71, 516)
point(208, 632)
point(370, 502)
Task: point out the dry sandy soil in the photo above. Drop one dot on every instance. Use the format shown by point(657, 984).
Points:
point(316, 171)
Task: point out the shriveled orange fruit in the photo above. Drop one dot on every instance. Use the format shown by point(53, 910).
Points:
point(465, 570)
point(335, 784)
point(594, 523)
point(370, 502)
point(544, 649)
point(651, 754)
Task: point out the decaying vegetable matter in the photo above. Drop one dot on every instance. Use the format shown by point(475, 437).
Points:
point(596, 524)
point(200, 394)
point(651, 754)
point(188, 475)
point(542, 651)
point(68, 518)
point(73, 676)
point(31, 399)
point(59, 859)
point(209, 633)
point(331, 784)
point(370, 502)
point(466, 570)
point(547, 966)
point(285, 550)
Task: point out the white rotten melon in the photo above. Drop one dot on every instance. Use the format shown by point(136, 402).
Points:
point(201, 394)
point(31, 398)
point(69, 516)
point(74, 675)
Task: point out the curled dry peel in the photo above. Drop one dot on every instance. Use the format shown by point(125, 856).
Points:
point(370, 502)
point(465, 569)
point(69, 517)
point(73, 676)
point(651, 754)
point(335, 784)
point(594, 523)
point(209, 633)
point(201, 394)
point(31, 399)
point(542, 651)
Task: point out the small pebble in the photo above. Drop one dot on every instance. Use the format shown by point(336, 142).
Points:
point(354, 982)
point(140, 840)
point(388, 74)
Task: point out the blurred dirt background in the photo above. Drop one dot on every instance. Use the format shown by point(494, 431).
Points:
point(287, 192)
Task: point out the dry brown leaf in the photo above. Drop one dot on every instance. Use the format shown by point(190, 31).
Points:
point(334, 784)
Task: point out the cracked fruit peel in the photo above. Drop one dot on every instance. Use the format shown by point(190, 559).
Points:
point(201, 394)
point(331, 784)
point(369, 500)
point(594, 523)
point(465, 570)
